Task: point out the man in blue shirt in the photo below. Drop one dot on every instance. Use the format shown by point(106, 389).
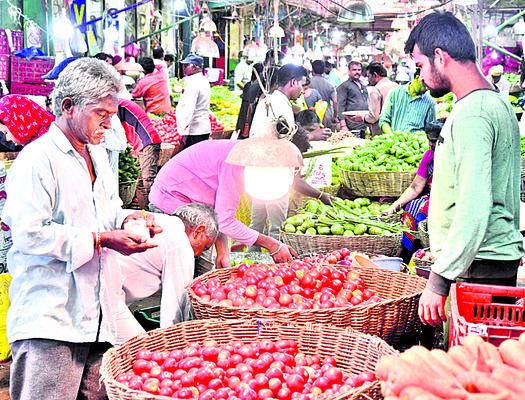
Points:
point(404, 111)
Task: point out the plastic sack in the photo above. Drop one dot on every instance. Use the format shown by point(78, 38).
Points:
point(321, 175)
point(5, 350)
point(77, 44)
point(30, 53)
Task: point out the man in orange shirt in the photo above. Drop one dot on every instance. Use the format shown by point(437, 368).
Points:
point(153, 88)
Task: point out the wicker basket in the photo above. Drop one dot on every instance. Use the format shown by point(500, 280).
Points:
point(376, 184)
point(167, 150)
point(298, 200)
point(423, 233)
point(389, 319)
point(389, 245)
point(389, 219)
point(224, 134)
point(127, 191)
point(354, 351)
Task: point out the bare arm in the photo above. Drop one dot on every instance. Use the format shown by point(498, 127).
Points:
point(412, 192)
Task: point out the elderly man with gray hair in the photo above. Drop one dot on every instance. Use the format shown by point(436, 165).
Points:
point(192, 229)
point(66, 221)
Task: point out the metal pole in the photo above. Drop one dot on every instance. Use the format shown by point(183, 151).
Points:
point(160, 30)
point(275, 23)
point(503, 25)
point(480, 31)
point(502, 50)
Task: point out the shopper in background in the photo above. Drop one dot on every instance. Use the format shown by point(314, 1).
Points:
point(475, 207)
point(170, 61)
point(191, 230)
point(65, 216)
point(249, 103)
point(333, 77)
point(22, 120)
point(145, 141)
point(352, 96)
point(326, 90)
point(153, 87)
point(407, 108)
point(243, 71)
point(378, 91)
point(416, 196)
point(193, 121)
point(393, 73)
point(310, 122)
point(311, 96)
point(499, 81)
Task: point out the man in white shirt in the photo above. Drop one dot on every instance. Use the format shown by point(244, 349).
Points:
point(499, 81)
point(277, 107)
point(192, 229)
point(243, 72)
point(66, 223)
point(193, 120)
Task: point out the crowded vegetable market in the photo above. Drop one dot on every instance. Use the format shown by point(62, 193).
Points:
point(254, 200)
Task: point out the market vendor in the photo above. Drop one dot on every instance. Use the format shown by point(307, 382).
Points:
point(474, 212)
point(193, 110)
point(499, 81)
point(407, 107)
point(65, 217)
point(22, 120)
point(417, 195)
point(170, 266)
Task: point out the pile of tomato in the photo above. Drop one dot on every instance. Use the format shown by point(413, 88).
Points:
point(298, 285)
point(167, 127)
point(239, 371)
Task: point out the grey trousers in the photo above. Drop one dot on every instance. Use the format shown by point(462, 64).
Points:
point(53, 370)
point(148, 160)
point(271, 212)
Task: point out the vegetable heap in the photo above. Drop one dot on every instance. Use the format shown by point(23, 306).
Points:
point(128, 169)
point(346, 217)
point(474, 370)
point(398, 151)
point(225, 106)
point(444, 105)
point(166, 126)
point(514, 79)
point(517, 104)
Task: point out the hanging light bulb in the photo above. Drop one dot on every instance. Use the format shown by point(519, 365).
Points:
point(269, 163)
point(276, 31)
point(204, 46)
point(356, 11)
point(519, 27)
point(399, 24)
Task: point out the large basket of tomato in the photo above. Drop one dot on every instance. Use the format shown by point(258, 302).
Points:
point(375, 301)
point(247, 360)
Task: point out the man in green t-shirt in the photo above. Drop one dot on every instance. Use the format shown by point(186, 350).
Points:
point(474, 205)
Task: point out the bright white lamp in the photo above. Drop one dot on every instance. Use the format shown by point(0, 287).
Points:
point(276, 31)
point(269, 163)
point(204, 46)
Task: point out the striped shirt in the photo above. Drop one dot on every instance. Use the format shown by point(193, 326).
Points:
point(406, 114)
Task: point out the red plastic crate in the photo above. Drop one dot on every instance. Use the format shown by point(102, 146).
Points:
point(35, 89)
point(4, 67)
point(483, 310)
point(18, 42)
point(30, 71)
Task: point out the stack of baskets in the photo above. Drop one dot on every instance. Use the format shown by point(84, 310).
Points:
point(390, 319)
point(423, 233)
point(355, 352)
point(376, 184)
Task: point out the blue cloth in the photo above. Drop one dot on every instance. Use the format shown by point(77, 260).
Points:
point(55, 72)
point(30, 53)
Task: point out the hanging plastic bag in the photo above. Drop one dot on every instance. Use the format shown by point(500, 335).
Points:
point(77, 43)
point(33, 35)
